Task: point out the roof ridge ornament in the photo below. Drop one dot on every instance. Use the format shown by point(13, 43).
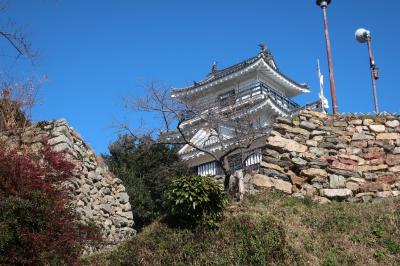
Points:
point(262, 49)
point(214, 67)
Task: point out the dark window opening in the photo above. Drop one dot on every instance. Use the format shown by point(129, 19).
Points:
point(227, 98)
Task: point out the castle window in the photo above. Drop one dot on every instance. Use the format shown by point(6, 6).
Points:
point(227, 98)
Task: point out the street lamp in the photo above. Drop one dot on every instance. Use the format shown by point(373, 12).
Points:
point(362, 36)
point(324, 4)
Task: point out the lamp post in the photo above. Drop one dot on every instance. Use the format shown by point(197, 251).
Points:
point(324, 4)
point(362, 36)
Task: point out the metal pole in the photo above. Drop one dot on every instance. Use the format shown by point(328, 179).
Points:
point(335, 108)
point(373, 75)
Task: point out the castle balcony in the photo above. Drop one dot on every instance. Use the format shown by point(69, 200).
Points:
point(237, 100)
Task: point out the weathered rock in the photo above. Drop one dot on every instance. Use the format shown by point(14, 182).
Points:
point(123, 198)
point(395, 169)
point(355, 122)
point(272, 166)
point(388, 179)
point(321, 200)
point(393, 159)
point(374, 187)
point(367, 121)
point(286, 144)
point(337, 181)
point(327, 145)
point(275, 173)
point(281, 163)
point(383, 194)
point(374, 155)
point(392, 123)
point(284, 120)
point(299, 161)
point(361, 136)
point(371, 168)
point(282, 185)
point(377, 128)
point(318, 133)
point(307, 125)
point(388, 136)
point(319, 163)
point(294, 130)
point(313, 143)
point(341, 193)
point(296, 180)
point(353, 186)
point(344, 166)
point(272, 153)
point(263, 181)
point(317, 151)
point(314, 172)
point(340, 124)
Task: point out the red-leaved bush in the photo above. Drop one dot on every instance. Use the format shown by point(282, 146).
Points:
point(36, 224)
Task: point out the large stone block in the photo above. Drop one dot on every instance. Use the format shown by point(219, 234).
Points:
point(393, 159)
point(337, 181)
point(361, 136)
point(263, 181)
point(308, 125)
point(314, 172)
point(341, 193)
point(377, 128)
point(280, 143)
point(388, 136)
point(374, 187)
point(392, 123)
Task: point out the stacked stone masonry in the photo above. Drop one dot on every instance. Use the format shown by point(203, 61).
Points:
point(96, 194)
point(332, 157)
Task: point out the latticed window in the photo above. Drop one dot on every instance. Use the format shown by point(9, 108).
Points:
point(210, 168)
point(235, 162)
point(254, 157)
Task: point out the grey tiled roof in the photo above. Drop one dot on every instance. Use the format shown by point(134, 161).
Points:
point(217, 74)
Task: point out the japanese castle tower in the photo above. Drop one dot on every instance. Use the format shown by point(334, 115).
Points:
point(256, 82)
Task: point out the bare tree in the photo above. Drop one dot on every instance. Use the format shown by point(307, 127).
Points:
point(16, 102)
point(16, 38)
point(231, 125)
point(16, 98)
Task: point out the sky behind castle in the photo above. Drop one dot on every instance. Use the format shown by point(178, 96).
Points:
point(96, 52)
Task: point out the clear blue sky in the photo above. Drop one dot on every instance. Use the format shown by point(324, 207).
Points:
point(95, 52)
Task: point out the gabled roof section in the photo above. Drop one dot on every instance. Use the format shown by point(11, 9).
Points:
point(265, 55)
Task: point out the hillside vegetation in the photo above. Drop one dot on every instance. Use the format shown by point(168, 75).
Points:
point(273, 229)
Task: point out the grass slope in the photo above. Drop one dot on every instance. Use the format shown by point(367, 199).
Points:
point(273, 229)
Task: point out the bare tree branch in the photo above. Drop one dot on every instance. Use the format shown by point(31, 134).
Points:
point(231, 129)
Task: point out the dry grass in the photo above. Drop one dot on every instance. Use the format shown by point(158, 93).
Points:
point(274, 229)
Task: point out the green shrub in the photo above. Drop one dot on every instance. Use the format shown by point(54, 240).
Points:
point(379, 256)
point(195, 200)
point(146, 167)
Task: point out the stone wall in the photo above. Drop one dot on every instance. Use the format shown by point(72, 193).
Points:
point(332, 157)
point(97, 195)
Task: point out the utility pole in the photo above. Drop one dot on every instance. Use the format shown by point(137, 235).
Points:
point(324, 4)
point(363, 35)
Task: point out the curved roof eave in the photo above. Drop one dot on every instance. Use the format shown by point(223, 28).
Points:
point(277, 75)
